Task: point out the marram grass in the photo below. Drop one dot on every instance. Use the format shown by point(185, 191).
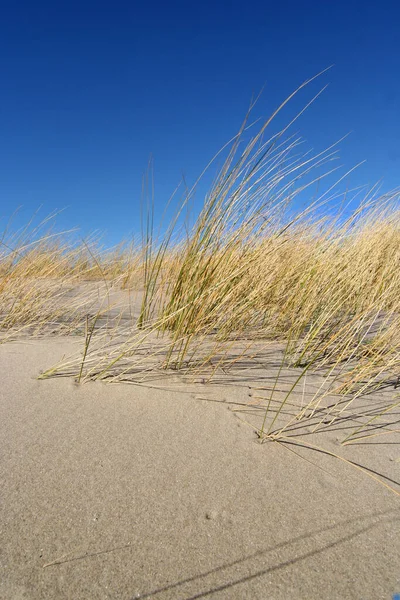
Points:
point(252, 270)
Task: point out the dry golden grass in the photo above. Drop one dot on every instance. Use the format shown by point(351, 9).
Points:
point(252, 270)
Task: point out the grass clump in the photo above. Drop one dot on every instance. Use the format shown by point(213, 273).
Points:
point(254, 269)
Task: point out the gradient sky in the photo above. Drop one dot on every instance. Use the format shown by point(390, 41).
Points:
point(90, 89)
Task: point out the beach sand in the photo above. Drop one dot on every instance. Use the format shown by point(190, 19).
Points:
point(126, 491)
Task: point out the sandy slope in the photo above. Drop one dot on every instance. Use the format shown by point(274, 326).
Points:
point(131, 492)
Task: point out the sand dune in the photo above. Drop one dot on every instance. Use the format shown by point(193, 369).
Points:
point(123, 491)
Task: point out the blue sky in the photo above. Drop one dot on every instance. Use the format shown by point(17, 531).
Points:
point(89, 90)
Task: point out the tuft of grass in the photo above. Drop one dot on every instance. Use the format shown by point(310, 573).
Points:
point(254, 269)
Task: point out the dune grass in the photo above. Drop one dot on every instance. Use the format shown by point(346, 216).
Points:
point(251, 271)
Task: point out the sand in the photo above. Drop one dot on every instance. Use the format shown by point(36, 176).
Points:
point(123, 492)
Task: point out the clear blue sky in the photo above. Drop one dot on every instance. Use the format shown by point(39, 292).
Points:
point(90, 89)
